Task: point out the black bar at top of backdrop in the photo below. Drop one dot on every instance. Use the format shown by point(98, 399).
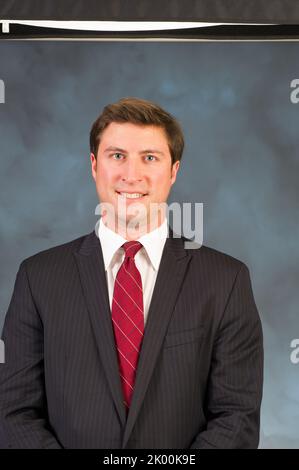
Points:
point(225, 32)
point(219, 11)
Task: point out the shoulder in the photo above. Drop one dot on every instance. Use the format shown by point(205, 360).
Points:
point(212, 260)
point(57, 255)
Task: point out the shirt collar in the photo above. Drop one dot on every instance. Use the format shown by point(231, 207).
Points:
point(153, 243)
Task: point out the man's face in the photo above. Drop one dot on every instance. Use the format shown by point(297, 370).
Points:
point(133, 159)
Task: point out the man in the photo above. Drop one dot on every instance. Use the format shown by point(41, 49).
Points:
point(124, 338)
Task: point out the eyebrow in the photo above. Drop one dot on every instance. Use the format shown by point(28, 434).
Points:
point(117, 149)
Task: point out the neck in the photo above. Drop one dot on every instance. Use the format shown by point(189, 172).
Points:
point(131, 231)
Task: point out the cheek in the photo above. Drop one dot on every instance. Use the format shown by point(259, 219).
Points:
point(103, 175)
point(163, 181)
point(160, 177)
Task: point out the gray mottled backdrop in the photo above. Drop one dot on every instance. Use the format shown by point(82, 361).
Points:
point(241, 161)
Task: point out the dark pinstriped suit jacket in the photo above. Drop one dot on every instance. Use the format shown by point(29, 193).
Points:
point(199, 377)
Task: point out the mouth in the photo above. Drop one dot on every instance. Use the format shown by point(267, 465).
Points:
point(135, 196)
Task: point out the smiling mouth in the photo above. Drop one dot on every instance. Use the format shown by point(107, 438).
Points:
point(131, 195)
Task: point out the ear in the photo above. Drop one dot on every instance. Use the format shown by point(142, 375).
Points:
point(93, 162)
point(174, 170)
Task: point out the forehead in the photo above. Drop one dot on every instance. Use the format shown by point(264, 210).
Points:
point(134, 136)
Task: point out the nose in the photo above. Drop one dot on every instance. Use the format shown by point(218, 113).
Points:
point(132, 171)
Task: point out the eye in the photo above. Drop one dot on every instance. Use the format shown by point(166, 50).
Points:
point(151, 156)
point(116, 155)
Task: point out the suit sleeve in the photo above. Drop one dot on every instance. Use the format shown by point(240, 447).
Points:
point(234, 390)
point(23, 408)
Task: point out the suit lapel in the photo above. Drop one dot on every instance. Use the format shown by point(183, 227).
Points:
point(93, 278)
point(170, 276)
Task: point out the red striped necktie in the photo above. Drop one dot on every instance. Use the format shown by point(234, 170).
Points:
point(128, 318)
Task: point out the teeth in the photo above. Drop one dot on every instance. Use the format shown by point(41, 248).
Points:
point(131, 196)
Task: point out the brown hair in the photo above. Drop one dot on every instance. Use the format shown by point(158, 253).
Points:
point(140, 112)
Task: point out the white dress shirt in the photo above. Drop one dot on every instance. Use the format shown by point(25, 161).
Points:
point(147, 259)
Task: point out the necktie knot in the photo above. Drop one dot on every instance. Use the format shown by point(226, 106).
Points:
point(131, 248)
